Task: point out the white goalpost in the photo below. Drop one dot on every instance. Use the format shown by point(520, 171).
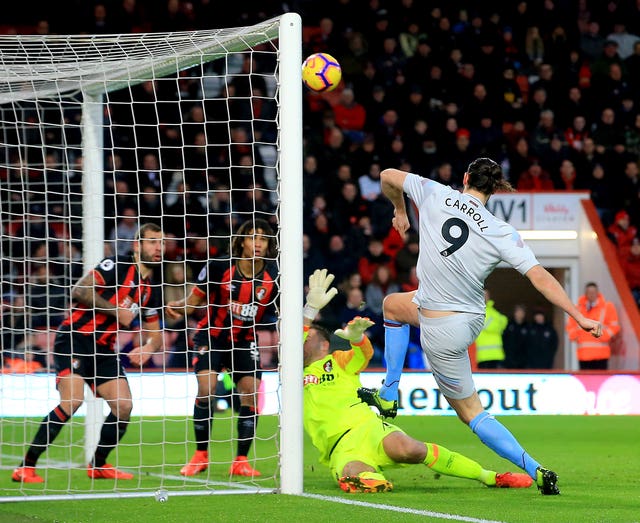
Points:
point(195, 131)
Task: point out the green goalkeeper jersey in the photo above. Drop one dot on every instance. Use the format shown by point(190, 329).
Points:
point(331, 403)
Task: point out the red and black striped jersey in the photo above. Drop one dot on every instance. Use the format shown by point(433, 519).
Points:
point(118, 281)
point(237, 303)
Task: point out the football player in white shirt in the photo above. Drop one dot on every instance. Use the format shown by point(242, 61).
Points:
point(461, 243)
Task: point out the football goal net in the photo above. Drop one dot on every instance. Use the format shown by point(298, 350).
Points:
point(197, 132)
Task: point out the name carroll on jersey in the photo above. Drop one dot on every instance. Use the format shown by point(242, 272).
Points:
point(470, 210)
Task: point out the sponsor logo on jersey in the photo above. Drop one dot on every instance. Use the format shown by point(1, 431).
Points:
point(310, 379)
point(244, 311)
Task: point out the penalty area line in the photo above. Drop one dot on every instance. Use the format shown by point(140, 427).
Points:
point(403, 510)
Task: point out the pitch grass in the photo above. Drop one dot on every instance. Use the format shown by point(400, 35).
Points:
point(596, 457)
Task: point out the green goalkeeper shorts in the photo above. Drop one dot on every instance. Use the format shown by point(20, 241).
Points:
point(363, 443)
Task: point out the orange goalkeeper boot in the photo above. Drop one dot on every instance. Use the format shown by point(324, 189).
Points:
point(198, 463)
point(366, 482)
point(107, 472)
point(241, 467)
point(26, 475)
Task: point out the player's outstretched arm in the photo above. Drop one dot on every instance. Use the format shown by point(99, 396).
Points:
point(551, 289)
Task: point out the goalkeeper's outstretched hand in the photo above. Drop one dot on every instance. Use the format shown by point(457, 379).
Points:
point(319, 292)
point(355, 329)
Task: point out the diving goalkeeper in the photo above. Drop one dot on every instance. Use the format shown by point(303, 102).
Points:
point(352, 440)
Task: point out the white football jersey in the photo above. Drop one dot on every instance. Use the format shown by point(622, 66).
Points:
point(461, 243)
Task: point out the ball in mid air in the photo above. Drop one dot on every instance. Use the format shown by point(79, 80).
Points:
point(321, 72)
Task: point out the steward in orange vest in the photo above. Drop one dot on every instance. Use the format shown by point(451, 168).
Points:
point(594, 353)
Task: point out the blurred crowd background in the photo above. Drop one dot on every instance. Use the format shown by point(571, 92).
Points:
point(550, 89)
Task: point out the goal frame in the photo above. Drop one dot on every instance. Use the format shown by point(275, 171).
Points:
point(289, 167)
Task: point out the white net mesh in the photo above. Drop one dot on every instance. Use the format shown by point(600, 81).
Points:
point(99, 135)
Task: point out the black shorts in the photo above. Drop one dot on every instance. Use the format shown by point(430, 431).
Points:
point(76, 353)
point(220, 353)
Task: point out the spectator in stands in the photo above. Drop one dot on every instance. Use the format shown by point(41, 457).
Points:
point(631, 268)
point(340, 260)
point(535, 178)
point(512, 98)
point(463, 154)
point(382, 284)
point(150, 205)
point(576, 103)
point(547, 81)
point(35, 238)
point(186, 215)
point(609, 55)
point(150, 175)
point(520, 159)
point(349, 207)
point(538, 101)
point(350, 116)
point(319, 222)
point(542, 342)
point(514, 338)
point(542, 136)
point(576, 133)
point(622, 233)
point(630, 190)
point(124, 234)
point(568, 176)
point(45, 298)
point(591, 42)
point(603, 194)
point(611, 89)
point(369, 183)
point(534, 46)
point(407, 257)
point(312, 257)
point(625, 40)
point(372, 259)
point(594, 353)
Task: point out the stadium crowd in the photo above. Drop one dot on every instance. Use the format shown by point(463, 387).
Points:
point(550, 90)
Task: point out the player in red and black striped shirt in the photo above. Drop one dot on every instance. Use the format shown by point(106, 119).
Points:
point(238, 291)
point(109, 297)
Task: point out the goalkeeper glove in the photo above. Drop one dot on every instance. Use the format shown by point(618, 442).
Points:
point(319, 293)
point(354, 331)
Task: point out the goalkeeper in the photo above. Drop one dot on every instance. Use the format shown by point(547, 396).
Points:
point(352, 440)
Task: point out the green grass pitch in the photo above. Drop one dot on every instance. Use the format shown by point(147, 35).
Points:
point(596, 457)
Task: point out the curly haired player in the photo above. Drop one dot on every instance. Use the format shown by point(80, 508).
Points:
point(239, 290)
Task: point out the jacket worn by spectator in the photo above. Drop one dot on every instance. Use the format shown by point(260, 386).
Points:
point(593, 305)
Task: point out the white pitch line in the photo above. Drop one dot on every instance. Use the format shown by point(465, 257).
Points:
point(404, 510)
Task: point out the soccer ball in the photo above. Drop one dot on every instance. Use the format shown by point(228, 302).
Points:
point(321, 72)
